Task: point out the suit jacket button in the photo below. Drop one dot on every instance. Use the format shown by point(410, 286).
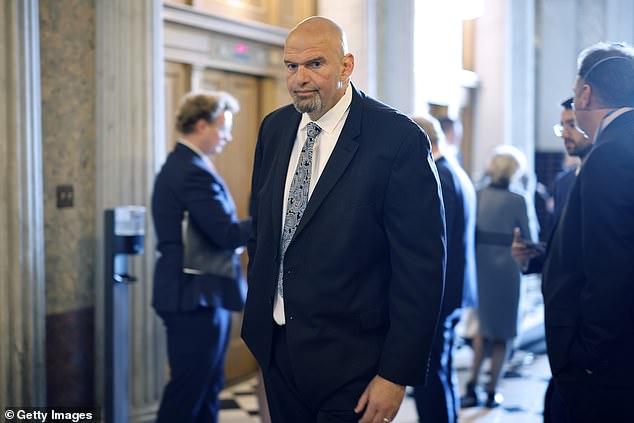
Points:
point(290, 317)
point(588, 371)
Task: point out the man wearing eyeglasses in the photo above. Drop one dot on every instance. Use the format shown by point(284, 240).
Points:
point(577, 144)
point(588, 278)
point(531, 260)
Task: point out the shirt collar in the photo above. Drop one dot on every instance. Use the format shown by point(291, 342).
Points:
point(609, 118)
point(578, 168)
point(197, 151)
point(331, 118)
point(618, 112)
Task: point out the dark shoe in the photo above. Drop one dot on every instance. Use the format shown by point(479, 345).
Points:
point(494, 399)
point(470, 397)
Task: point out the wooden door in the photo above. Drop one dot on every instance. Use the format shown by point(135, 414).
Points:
point(177, 84)
point(235, 165)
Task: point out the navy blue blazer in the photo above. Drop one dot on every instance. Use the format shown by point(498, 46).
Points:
point(363, 275)
point(562, 186)
point(186, 183)
point(459, 198)
point(561, 190)
point(588, 278)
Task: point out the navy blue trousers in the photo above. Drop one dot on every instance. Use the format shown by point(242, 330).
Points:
point(438, 401)
point(196, 346)
point(554, 408)
point(588, 402)
point(288, 405)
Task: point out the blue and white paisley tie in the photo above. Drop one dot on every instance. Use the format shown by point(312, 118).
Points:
point(297, 196)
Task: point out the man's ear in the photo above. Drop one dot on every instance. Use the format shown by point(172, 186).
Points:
point(348, 66)
point(200, 125)
point(584, 99)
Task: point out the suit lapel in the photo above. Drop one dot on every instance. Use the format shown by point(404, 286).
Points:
point(280, 166)
point(341, 156)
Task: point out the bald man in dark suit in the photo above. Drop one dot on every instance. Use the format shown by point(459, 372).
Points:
point(346, 266)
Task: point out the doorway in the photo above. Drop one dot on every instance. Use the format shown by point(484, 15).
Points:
point(235, 165)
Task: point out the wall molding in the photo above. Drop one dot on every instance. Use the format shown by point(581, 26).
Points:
point(249, 30)
point(211, 41)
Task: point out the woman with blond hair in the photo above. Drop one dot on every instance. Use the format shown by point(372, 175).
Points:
point(499, 210)
point(197, 281)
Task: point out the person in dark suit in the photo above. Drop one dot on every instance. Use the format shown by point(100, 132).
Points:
point(453, 137)
point(346, 264)
point(577, 144)
point(531, 260)
point(195, 306)
point(439, 401)
point(588, 274)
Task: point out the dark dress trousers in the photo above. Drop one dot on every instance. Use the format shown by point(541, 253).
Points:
point(363, 275)
point(588, 284)
point(554, 410)
point(195, 308)
point(438, 402)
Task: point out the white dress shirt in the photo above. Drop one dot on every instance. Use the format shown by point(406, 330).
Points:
point(609, 118)
point(331, 124)
point(196, 150)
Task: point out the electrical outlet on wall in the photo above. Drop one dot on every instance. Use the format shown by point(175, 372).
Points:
point(65, 196)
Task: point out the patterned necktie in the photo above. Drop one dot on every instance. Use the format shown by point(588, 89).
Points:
point(297, 196)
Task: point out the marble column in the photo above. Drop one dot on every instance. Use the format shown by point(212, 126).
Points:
point(556, 68)
point(395, 54)
point(591, 19)
point(380, 36)
point(22, 313)
point(618, 21)
point(130, 140)
point(358, 20)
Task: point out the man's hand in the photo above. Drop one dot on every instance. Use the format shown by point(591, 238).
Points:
point(521, 251)
point(381, 401)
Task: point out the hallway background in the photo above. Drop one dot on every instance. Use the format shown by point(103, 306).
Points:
point(87, 94)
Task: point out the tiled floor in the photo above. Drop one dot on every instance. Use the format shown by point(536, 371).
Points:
point(523, 388)
point(523, 385)
point(239, 403)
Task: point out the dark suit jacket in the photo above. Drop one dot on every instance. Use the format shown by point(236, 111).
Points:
point(186, 183)
point(459, 199)
point(562, 186)
point(363, 275)
point(561, 190)
point(588, 283)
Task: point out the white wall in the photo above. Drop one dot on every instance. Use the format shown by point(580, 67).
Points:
point(490, 112)
point(525, 58)
point(356, 17)
point(565, 28)
point(380, 35)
